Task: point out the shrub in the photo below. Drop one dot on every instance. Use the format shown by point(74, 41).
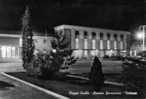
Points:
point(134, 72)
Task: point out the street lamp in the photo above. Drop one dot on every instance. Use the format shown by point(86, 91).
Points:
point(141, 35)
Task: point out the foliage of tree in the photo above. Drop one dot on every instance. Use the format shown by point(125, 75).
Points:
point(27, 40)
point(130, 41)
point(61, 45)
point(44, 64)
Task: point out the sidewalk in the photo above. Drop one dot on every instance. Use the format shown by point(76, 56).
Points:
point(12, 89)
point(11, 67)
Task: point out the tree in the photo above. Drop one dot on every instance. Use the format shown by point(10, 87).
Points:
point(27, 41)
point(130, 41)
point(61, 45)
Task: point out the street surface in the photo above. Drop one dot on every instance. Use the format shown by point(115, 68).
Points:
point(108, 66)
point(82, 66)
point(19, 90)
point(11, 67)
point(22, 91)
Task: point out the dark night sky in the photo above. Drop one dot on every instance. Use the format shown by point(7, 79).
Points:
point(113, 14)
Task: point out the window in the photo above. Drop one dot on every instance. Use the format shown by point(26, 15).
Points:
point(108, 44)
point(115, 44)
point(85, 40)
point(101, 44)
point(93, 35)
point(101, 36)
point(76, 34)
point(13, 51)
point(76, 39)
point(85, 44)
point(115, 36)
point(93, 44)
point(8, 52)
point(3, 51)
point(121, 45)
point(108, 36)
point(76, 43)
point(122, 37)
point(85, 34)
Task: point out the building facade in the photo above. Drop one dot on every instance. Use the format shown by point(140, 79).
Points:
point(88, 42)
point(84, 41)
point(11, 46)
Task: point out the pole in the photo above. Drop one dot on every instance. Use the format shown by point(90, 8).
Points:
point(144, 37)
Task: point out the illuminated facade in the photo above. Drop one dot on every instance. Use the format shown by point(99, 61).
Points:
point(88, 42)
point(11, 45)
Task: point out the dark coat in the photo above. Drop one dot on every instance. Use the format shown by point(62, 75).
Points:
point(96, 75)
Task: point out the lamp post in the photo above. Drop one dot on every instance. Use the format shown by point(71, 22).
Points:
point(141, 35)
point(143, 27)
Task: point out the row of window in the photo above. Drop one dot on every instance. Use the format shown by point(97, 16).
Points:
point(115, 36)
point(9, 52)
point(108, 44)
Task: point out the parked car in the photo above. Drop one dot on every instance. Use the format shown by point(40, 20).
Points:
point(118, 57)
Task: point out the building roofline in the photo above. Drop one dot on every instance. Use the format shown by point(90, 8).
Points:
point(15, 34)
point(10, 35)
point(19, 36)
point(87, 28)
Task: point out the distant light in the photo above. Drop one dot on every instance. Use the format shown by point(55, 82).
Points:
point(139, 35)
point(54, 50)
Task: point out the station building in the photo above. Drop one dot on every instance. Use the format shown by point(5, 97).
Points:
point(85, 42)
point(88, 42)
point(11, 45)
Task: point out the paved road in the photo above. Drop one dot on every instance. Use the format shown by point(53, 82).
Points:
point(80, 67)
point(20, 90)
point(107, 66)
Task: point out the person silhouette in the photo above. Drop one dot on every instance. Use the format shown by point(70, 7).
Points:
point(96, 75)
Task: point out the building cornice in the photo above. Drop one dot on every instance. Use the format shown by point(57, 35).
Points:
point(88, 28)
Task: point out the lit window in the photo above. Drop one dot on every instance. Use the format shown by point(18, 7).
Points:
point(13, 51)
point(76, 39)
point(121, 45)
point(115, 44)
point(8, 51)
point(93, 44)
point(85, 53)
point(108, 44)
point(101, 44)
point(20, 42)
point(3, 51)
point(85, 44)
point(77, 43)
